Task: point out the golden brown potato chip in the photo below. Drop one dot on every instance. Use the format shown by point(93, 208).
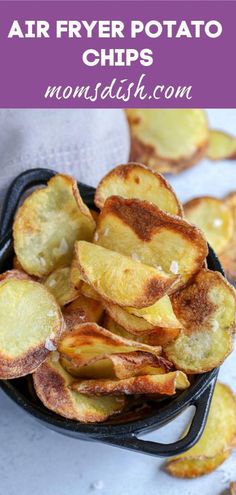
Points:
point(221, 146)
point(47, 225)
point(228, 256)
point(214, 217)
point(207, 310)
point(159, 314)
point(139, 327)
point(141, 230)
point(81, 310)
point(59, 284)
point(88, 341)
point(120, 279)
point(87, 345)
point(215, 444)
point(166, 384)
point(137, 181)
point(30, 325)
point(168, 140)
point(52, 383)
point(160, 336)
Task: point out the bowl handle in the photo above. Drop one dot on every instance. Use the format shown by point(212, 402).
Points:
point(202, 405)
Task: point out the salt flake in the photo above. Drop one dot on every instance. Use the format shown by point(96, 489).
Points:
point(174, 267)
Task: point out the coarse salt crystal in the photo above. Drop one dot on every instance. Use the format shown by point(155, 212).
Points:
point(135, 257)
point(96, 236)
point(217, 222)
point(61, 249)
point(215, 325)
point(158, 267)
point(174, 267)
point(51, 313)
point(42, 261)
point(106, 231)
point(49, 345)
point(52, 282)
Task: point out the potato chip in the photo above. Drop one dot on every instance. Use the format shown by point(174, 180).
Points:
point(87, 341)
point(137, 181)
point(52, 383)
point(139, 327)
point(228, 256)
point(160, 336)
point(59, 284)
point(48, 223)
point(215, 444)
point(221, 146)
point(213, 217)
point(141, 230)
point(166, 384)
point(88, 344)
point(159, 314)
point(30, 325)
point(206, 309)
point(168, 140)
point(82, 310)
point(120, 279)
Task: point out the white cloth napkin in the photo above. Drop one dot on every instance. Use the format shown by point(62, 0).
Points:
point(83, 143)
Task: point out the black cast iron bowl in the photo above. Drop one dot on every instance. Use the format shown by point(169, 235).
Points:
point(124, 430)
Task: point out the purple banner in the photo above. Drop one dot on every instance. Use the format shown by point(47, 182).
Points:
point(99, 54)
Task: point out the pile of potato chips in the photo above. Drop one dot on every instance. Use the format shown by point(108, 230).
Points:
point(106, 307)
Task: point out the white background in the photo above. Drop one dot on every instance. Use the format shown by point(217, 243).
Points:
point(35, 460)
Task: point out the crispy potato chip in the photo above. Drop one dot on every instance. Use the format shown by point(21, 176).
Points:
point(168, 140)
point(120, 279)
point(221, 146)
point(82, 310)
point(122, 366)
point(30, 325)
point(88, 341)
point(137, 181)
point(206, 309)
point(141, 230)
point(161, 337)
point(139, 327)
point(52, 382)
point(87, 344)
point(228, 256)
point(166, 384)
point(215, 444)
point(159, 314)
point(214, 217)
point(48, 223)
point(59, 284)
